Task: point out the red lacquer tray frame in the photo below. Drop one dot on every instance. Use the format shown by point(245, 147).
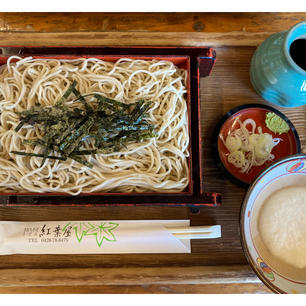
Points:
point(198, 61)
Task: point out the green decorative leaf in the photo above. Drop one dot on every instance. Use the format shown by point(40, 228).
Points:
point(81, 230)
point(99, 237)
point(103, 231)
point(108, 234)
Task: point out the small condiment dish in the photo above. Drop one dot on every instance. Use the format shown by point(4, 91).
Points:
point(289, 143)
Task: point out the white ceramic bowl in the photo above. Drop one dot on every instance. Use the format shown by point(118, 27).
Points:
point(278, 276)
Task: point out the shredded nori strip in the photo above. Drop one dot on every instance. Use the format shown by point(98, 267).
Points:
point(110, 123)
point(67, 93)
point(38, 155)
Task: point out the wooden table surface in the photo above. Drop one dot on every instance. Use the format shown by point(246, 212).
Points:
point(212, 267)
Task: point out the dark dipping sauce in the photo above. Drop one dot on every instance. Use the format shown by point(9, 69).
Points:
point(298, 52)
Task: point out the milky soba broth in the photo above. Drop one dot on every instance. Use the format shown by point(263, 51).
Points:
point(282, 225)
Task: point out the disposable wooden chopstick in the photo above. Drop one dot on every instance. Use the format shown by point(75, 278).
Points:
point(196, 232)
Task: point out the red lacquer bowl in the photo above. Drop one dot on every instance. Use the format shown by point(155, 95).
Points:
point(289, 144)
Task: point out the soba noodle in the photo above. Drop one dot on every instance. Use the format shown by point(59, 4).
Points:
point(158, 164)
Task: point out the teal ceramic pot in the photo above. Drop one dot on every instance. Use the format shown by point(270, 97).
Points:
point(274, 74)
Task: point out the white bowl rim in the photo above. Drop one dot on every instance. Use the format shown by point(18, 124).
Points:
point(271, 286)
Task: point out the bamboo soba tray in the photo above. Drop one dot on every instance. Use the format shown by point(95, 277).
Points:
point(198, 61)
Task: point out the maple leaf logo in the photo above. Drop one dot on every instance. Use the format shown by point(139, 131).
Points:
point(102, 231)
